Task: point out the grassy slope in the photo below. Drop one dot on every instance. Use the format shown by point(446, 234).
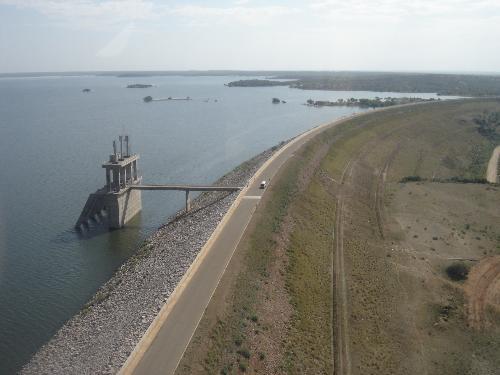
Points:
point(302, 196)
point(395, 294)
point(396, 286)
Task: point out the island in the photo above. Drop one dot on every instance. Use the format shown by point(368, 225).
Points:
point(257, 83)
point(148, 99)
point(139, 86)
point(366, 103)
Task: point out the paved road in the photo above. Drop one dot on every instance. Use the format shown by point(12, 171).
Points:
point(163, 346)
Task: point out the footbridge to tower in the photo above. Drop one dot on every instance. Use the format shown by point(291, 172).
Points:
point(186, 188)
point(120, 199)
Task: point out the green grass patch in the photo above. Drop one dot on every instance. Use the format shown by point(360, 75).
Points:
point(309, 281)
point(229, 337)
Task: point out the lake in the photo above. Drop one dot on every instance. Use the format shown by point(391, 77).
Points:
point(53, 140)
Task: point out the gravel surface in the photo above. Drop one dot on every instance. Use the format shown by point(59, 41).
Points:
point(99, 339)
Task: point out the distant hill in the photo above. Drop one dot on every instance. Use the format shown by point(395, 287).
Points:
point(257, 83)
point(442, 84)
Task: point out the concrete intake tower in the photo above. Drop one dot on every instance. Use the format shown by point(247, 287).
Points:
point(116, 199)
point(120, 199)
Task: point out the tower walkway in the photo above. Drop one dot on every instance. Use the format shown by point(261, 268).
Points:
point(186, 188)
point(120, 198)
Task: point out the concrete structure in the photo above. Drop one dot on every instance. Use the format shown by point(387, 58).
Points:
point(120, 198)
point(186, 188)
point(116, 198)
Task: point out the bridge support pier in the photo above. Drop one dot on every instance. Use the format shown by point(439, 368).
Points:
point(188, 201)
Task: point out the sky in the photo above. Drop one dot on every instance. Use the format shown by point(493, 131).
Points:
point(374, 35)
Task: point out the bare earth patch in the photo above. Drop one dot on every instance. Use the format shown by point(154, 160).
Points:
point(483, 289)
point(493, 166)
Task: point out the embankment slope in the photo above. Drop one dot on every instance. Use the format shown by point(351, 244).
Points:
point(405, 219)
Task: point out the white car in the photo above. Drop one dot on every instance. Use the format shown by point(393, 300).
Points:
point(263, 185)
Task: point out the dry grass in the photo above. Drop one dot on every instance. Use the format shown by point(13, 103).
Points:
point(405, 315)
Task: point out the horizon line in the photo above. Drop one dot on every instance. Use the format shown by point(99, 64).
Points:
point(252, 71)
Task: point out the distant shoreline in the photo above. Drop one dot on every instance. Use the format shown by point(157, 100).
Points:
point(441, 84)
point(248, 73)
point(457, 84)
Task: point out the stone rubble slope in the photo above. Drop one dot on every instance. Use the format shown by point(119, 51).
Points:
point(99, 339)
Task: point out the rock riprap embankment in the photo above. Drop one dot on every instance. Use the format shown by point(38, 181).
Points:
point(99, 339)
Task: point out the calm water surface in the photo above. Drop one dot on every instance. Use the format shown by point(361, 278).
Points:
point(53, 139)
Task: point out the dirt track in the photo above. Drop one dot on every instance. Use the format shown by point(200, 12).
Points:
point(347, 189)
point(483, 289)
point(379, 191)
point(492, 171)
point(342, 361)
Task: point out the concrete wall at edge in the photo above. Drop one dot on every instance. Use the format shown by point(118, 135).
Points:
point(122, 207)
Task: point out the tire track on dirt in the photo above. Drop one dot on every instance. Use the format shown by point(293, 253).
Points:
point(481, 284)
point(379, 191)
point(493, 166)
point(342, 361)
point(342, 364)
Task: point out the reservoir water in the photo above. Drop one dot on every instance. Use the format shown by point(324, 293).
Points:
point(53, 139)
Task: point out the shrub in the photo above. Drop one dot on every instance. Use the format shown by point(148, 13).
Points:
point(244, 353)
point(457, 271)
point(462, 180)
point(411, 179)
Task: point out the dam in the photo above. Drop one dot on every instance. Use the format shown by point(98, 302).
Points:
point(120, 198)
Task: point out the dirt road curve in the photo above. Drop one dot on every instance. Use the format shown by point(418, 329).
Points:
point(482, 289)
point(492, 171)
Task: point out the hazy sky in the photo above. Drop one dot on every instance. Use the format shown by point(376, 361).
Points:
point(416, 35)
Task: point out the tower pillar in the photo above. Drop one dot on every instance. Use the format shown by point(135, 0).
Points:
point(188, 201)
